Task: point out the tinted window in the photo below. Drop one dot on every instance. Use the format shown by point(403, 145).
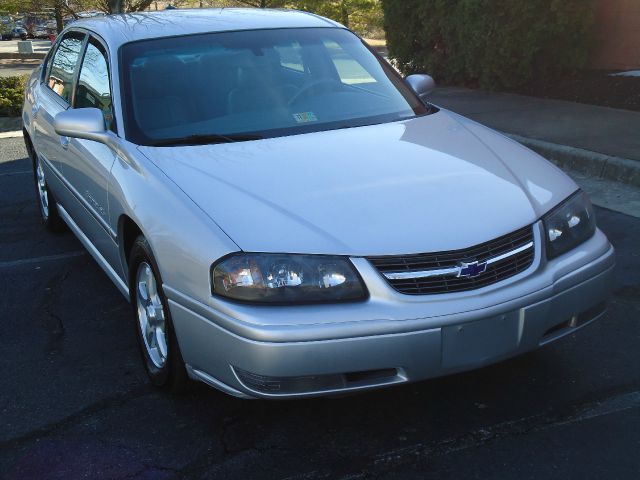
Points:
point(64, 63)
point(93, 88)
point(260, 83)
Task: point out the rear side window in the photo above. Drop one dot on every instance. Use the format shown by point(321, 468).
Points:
point(64, 63)
point(93, 88)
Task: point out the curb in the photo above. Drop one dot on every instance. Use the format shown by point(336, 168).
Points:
point(22, 56)
point(594, 164)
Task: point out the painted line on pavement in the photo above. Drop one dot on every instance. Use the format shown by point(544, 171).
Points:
point(13, 134)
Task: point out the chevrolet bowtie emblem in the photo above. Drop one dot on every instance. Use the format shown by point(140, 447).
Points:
point(471, 269)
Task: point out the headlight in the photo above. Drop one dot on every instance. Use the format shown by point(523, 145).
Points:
point(569, 224)
point(283, 279)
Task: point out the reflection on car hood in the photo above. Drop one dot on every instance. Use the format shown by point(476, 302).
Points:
point(433, 183)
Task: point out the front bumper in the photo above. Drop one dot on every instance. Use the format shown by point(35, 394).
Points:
point(333, 349)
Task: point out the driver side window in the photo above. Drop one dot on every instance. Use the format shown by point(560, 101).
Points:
point(94, 89)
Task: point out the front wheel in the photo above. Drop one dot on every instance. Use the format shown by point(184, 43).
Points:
point(154, 329)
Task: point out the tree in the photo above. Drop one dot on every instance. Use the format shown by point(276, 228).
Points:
point(122, 6)
point(360, 15)
point(488, 43)
point(116, 6)
point(263, 3)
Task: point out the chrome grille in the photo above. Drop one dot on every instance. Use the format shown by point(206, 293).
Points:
point(440, 272)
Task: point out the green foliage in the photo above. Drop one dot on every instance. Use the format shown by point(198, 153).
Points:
point(362, 16)
point(262, 3)
point(489, 43)
point(12, 95)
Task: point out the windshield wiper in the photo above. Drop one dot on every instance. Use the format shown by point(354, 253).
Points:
point(204, 139)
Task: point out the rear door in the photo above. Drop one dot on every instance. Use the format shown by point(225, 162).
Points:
point(54, 96)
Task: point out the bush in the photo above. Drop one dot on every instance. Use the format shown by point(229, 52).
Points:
point(12, 95)
point(492, 44)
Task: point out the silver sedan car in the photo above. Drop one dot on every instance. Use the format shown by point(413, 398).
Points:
point(289, 217)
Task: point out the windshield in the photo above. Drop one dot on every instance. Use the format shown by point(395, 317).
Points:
point(254, 84)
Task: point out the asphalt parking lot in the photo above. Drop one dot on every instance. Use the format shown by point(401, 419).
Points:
point(75, 401)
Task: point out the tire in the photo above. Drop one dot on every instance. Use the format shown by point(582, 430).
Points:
point(154, 328)
point(45, 201)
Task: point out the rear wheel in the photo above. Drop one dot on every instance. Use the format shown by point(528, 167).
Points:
point(154, 329)
point(47, 205)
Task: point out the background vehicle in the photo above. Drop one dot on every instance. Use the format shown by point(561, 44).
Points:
point(40, 32)
point(15, 32)
point(21, 33)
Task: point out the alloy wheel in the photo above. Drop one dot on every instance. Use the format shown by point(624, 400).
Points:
point(151, 315)
point(42, 190)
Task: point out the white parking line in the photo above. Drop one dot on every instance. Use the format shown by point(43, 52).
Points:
point(14, 134)
point(48, 258)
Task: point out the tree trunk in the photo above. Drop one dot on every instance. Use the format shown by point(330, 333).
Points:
point(344, 13)
point(116, 6)
point(57, 10)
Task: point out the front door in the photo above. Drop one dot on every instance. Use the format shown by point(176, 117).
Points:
point(87, 164)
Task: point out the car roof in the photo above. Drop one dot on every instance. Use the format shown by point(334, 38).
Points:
point(128, 27)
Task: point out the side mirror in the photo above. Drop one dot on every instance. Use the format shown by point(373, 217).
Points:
point(422, 84)
point(86, 123)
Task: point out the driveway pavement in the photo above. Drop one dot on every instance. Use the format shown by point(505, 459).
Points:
point(75, 402)
point(11, 46)
point(12, 66)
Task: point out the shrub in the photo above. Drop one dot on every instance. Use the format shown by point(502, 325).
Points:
point(12, 95)
point(489, 43)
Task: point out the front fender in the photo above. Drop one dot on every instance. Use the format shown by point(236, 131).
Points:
point(184, 241)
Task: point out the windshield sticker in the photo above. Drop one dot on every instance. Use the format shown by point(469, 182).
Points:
point(305, 117)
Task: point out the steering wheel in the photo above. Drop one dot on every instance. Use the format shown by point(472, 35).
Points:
point(304, 90)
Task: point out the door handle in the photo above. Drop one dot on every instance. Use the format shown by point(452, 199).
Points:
point(64, 142)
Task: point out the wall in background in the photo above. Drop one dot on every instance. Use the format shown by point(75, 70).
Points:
point(617, 24)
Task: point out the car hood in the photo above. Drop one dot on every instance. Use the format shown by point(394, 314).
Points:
point(432, 183)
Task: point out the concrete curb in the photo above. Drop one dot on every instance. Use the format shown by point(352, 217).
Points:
point(22, 56)
point(594, 164)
